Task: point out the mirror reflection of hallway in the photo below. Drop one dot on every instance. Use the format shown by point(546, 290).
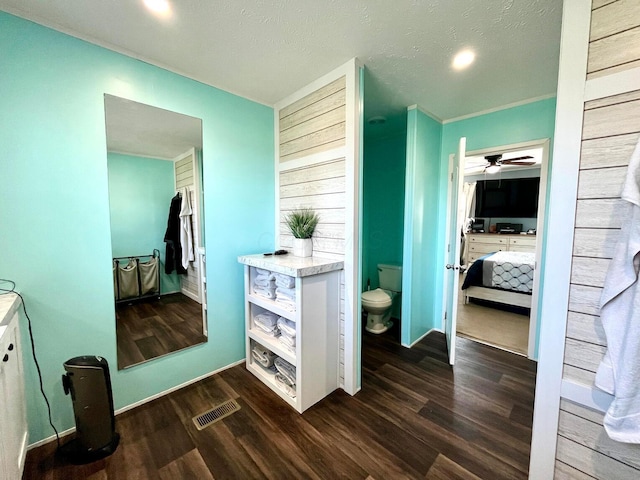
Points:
point(154, 167)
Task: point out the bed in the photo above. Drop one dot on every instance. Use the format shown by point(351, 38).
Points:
point(502, 277)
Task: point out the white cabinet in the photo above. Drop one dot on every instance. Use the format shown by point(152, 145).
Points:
point(482, 243)
point(317, 325)
point(13, 422)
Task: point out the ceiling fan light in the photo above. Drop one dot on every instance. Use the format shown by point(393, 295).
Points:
point(491, 169)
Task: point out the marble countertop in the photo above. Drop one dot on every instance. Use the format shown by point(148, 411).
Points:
point(291, 265)
point(9, 304)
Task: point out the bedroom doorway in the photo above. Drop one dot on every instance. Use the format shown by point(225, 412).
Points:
point(499, 216)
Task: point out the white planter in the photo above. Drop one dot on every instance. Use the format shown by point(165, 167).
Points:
point(302, 247)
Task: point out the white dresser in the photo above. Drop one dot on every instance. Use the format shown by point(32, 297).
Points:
point(13, 420)
point(316, 318)
point(482, 243)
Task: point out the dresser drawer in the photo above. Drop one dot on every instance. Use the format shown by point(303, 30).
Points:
point(492, 239)
point(523, 241)
point(473, 257)
point(483, 248)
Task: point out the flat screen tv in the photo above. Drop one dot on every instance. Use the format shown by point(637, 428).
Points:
point(507, 198)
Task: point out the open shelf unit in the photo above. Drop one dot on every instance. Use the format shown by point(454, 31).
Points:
point(317, 319)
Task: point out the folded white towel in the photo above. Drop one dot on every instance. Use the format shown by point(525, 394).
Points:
point(262, 271)
point(281, 382)
point(286, 304)
point(266, 292)
point(287, 340)
point(286, 369)
point(284, 281)
point(289, 293)
point(287, 327)
point(267, 319)
point(263, 356)
point(270, 331)
point(265, 281)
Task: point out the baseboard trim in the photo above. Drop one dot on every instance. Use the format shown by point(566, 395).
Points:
point(422, 337)
point(126, 408)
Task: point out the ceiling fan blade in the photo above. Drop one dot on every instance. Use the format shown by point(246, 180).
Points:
point(511, 160)
point(520, 164)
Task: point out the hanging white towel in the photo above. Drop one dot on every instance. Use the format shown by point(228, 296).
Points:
point(186, 235)
point(619, 371)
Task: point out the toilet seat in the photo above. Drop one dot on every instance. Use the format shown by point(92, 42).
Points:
point(377, 298)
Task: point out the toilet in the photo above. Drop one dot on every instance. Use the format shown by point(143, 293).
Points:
point(378, 303)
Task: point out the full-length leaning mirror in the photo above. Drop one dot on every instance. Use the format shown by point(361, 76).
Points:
point(154, 160)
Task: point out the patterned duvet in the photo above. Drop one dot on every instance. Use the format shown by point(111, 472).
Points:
point(504, 270)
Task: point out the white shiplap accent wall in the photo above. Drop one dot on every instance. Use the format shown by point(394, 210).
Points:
point(311, 139)
point(611, 128)
point(317, 165)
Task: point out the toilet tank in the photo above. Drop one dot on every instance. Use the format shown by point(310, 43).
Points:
point(390, 277)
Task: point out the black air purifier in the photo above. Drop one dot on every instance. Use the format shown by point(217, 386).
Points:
point(88, 381)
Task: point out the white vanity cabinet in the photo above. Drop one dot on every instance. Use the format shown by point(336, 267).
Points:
point(316, 318)
point(13, 421)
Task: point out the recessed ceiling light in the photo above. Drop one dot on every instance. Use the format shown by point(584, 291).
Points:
point(161, 7)
point(463, 59)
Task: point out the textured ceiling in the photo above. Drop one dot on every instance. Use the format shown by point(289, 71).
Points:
point(267, 49)
point(137, 129)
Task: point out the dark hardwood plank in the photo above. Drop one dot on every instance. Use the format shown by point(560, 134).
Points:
point(153, 327)
point(415, 417)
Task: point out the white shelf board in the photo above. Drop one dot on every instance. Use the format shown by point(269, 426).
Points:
point(273, 344)
point(271, 306)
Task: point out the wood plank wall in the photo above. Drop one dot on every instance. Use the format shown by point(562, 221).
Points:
point(185, 177)
point(611, 129)
point(314, 128)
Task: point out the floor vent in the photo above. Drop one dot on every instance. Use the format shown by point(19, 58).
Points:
point(217, 413)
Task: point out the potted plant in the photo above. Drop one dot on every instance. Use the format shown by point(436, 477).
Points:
point(302, 223)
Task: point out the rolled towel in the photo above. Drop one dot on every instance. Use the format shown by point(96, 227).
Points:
point(284, 281)
point(288, 293)
point(286, 369)
point(265, 292)
point(287, 327)
point(282, 384)
point(262, 271)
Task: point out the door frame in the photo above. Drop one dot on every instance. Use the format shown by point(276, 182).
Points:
point(543, 143)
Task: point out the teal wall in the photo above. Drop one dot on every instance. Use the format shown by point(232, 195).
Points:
point(140, 193)
point(55, 242)
point(383, 207)
point(421, 294)
point(532, 121)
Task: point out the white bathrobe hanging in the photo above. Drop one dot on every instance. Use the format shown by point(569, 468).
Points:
point(186, 235)
point(619, 371)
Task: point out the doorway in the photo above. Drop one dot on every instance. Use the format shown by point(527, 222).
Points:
point(499, 214)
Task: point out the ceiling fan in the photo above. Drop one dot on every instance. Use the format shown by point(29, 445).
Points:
point(495, 162)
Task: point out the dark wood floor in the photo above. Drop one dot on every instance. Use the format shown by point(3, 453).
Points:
point(150, 328)
point(415, 417)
